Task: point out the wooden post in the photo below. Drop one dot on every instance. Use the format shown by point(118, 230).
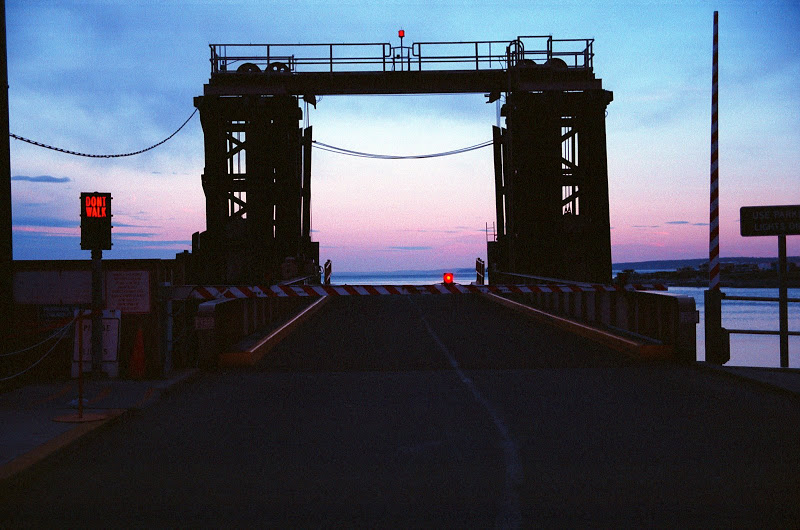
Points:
point(783, 301)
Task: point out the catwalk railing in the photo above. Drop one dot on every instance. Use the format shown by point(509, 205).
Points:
point(531, 51)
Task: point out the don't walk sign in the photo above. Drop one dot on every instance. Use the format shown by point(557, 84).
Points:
point(95, 221)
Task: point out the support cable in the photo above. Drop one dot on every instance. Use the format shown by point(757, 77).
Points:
point(88, 155)
point(319, 145)
point(360, 154)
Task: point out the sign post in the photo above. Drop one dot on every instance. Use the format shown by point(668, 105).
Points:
point(775, 221)
point(96, 236)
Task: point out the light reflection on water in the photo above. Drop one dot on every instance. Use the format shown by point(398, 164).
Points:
point(746, 350)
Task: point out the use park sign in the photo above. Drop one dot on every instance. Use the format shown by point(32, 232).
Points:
point(770, 220)
point(778, 221)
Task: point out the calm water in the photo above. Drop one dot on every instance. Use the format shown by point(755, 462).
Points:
point(464, 276)
point(746, 350)
point(750, 350)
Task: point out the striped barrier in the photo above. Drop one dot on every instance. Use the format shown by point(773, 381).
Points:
point(257, 291)
point(713, 228)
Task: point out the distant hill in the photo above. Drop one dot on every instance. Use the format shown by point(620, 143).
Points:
point(679, 263)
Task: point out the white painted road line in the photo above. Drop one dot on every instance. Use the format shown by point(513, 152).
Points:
point(509, 516)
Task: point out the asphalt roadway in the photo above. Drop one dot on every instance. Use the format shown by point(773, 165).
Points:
point(446, 411)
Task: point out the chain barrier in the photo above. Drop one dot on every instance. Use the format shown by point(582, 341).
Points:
point(59, 330)
point(88, 155)
point(42, 358)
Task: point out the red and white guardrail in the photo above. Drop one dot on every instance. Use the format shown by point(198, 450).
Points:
point(207, 292)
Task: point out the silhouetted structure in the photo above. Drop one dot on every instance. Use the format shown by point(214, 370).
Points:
point(551, 180)
point(257, 183)
point(550, 161)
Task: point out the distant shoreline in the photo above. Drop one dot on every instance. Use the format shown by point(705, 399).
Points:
point(668, 265)
point(743, 272)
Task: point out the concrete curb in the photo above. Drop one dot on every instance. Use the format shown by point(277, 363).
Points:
point(632, 348)
point(252, 355)
point(55, 445)
point(81, 431)
point(738, 376)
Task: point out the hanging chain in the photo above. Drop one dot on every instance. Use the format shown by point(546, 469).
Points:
point(88, 155)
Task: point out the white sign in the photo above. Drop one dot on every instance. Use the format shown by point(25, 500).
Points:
point(128, 291)
point(83, 342)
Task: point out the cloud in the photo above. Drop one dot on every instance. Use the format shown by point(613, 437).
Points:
point(52, 222)
point(645, 226)
point(127, 235)
point(677, 222)
point(126, 225)
point(43, 178)
point(138, 243)
point(404, 249)
point(699, 224)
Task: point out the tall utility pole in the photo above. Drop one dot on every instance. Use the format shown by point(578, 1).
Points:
point(6, 250)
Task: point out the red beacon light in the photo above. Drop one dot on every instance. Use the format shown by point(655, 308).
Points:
point(401, 33)
point(448, 278)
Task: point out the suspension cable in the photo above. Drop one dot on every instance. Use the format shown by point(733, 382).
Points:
point(88, 155)
point(360, 154)
point(319, 145)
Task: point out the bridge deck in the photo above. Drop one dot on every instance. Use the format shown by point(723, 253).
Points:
point(413, 411)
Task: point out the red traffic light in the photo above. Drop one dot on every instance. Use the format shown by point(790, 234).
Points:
point(401, 33)
point(448, 277)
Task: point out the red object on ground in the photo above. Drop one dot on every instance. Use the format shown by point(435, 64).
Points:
point(136, 369)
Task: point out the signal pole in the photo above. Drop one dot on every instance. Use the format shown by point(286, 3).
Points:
point(6, 249)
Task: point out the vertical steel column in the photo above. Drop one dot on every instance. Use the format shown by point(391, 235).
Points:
point(533, 210)
point(259, 185)
point(593, 224)
point(499, 189)
point(307, 145)
point(210, 244)
point(285, 153)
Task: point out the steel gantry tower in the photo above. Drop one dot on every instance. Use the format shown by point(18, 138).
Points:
point(551, 176)
point(257, 183)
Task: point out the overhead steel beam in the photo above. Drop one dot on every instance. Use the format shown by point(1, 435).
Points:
point(424, 82)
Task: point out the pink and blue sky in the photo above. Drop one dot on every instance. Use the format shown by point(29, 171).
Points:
point(106, 76)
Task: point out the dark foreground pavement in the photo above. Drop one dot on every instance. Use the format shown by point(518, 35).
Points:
point(435, 410)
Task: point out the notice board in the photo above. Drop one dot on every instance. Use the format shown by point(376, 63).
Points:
point(128, 291)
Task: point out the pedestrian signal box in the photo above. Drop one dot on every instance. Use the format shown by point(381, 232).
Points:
point(96, 221)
